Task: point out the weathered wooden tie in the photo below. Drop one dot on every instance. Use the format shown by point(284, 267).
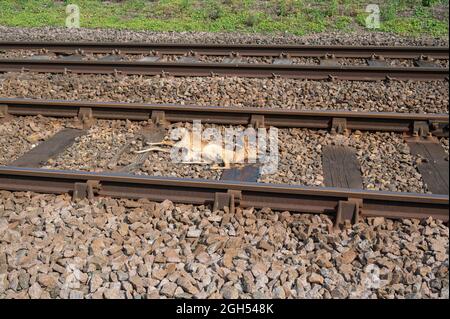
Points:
point(341, 167)
point(248, 173)
point(48, 149)
point(434, 165)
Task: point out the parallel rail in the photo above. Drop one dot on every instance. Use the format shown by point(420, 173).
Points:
point(202, 192)
point(240, 49)
point(294, 71)
point(438, 124)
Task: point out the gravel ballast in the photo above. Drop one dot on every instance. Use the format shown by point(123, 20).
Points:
point(54, 248)
point(392, 96)
point(110, 35)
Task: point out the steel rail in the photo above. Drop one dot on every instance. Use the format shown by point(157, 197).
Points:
point(203, 192)
point(364, 121)
point(295, 71)
point(241, 49)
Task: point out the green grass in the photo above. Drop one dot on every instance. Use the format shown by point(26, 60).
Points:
point(405, 17)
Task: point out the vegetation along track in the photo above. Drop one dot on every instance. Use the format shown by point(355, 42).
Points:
point(376, 68)
point(346, 202)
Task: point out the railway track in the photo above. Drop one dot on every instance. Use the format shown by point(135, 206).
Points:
point(190, 65)
point(406, 52)
point(346, 203)
point(417, 124)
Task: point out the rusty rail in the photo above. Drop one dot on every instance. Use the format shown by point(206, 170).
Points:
point(437, 124)
point(202, 192)
point(240, 49)
point(295, 71)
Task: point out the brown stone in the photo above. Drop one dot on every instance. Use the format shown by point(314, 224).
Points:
point(112, 293)
point(203, 257)
point(262, 244)
point(137, 282)
point(48, 281)
point(315, 279)
point(227, 260)
point(95, 282)
point(172, 256)
point(97, 247)
point(187, 286)
point(159, 273)
point(168, 289)
point(35, 291)
point(259, 269)
point(230, 292)
point(348, 256)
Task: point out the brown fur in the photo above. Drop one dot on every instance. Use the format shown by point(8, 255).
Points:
point(210, 152)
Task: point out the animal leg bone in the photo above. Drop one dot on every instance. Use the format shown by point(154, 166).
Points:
point(152, 149)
